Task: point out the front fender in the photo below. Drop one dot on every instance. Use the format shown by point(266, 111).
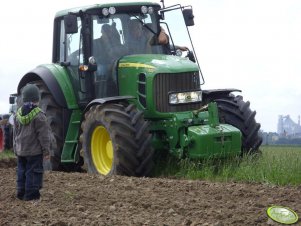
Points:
point(102, 101)
point(212, 94)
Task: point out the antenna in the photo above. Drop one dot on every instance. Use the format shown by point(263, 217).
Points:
point(162, 3)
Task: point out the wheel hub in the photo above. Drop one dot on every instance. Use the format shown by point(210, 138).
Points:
point(102, 150)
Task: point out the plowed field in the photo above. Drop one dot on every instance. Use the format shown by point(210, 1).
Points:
point(84, 199)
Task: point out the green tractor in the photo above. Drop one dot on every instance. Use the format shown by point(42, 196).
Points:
point(113, 106)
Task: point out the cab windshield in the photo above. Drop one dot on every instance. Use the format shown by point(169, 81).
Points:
point(124, 34)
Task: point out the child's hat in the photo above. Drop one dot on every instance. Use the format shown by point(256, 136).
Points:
point(30, 93)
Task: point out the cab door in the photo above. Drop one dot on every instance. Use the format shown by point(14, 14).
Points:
point(70, 53)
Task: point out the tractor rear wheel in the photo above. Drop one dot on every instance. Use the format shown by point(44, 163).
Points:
point(1, 139)
point(8, 132)
point(235, 111)
point(116, 141)
point(54, 116)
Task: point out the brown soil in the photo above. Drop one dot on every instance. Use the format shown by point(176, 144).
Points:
point(84, 199)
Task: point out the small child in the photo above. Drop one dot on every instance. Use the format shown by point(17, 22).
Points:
point(31, 144)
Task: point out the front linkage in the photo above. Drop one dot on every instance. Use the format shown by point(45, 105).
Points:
point(197, 134)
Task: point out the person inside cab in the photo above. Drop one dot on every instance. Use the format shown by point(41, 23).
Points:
point(109, 46)
point(108, 49)
point(142, 41)
point(138, 42)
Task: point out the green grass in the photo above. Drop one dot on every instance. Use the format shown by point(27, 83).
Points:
point(276, 165)
point(7, 154)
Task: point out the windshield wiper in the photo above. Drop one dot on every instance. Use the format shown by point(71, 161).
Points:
point(143, 24)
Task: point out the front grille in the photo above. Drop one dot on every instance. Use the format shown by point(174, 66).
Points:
point(180, 82)
point(142, 89)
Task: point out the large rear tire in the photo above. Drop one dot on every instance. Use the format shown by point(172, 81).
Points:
point(116, 141)
point(54, 116)
point(235, 111)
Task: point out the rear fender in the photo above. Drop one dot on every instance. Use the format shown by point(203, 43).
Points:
point(41, 73)
point(57, 81)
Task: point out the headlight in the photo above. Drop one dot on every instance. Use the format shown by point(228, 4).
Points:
point(144, 9)
point(150, 10)
point(185, 97)
point(105, 11)
point(112, 10)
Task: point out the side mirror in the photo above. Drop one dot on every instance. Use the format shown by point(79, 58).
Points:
point(70, 22)
point(190, 56)
point(188, 17)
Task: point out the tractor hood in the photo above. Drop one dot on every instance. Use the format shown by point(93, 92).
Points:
point(158, 63)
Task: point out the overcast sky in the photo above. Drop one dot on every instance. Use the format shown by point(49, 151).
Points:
point(252, 45)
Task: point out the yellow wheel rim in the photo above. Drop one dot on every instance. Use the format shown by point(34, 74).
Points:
point(102, 150)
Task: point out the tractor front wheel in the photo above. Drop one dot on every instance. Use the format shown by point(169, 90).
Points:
point(235, 111)
point(116, 141)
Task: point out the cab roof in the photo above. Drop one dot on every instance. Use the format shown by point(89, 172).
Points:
point(105, 5)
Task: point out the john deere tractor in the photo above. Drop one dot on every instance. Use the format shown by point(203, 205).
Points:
point(113, 105)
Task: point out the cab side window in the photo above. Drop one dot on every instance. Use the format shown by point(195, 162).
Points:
point(70, 46)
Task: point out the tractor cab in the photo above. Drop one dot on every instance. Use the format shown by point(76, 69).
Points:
point(90, 43)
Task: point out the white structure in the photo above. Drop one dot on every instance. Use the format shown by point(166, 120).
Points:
point(287, 127)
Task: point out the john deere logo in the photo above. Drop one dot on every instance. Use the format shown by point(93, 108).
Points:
point(282, 214)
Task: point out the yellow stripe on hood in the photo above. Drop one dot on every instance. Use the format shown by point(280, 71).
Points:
point(136, 65)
